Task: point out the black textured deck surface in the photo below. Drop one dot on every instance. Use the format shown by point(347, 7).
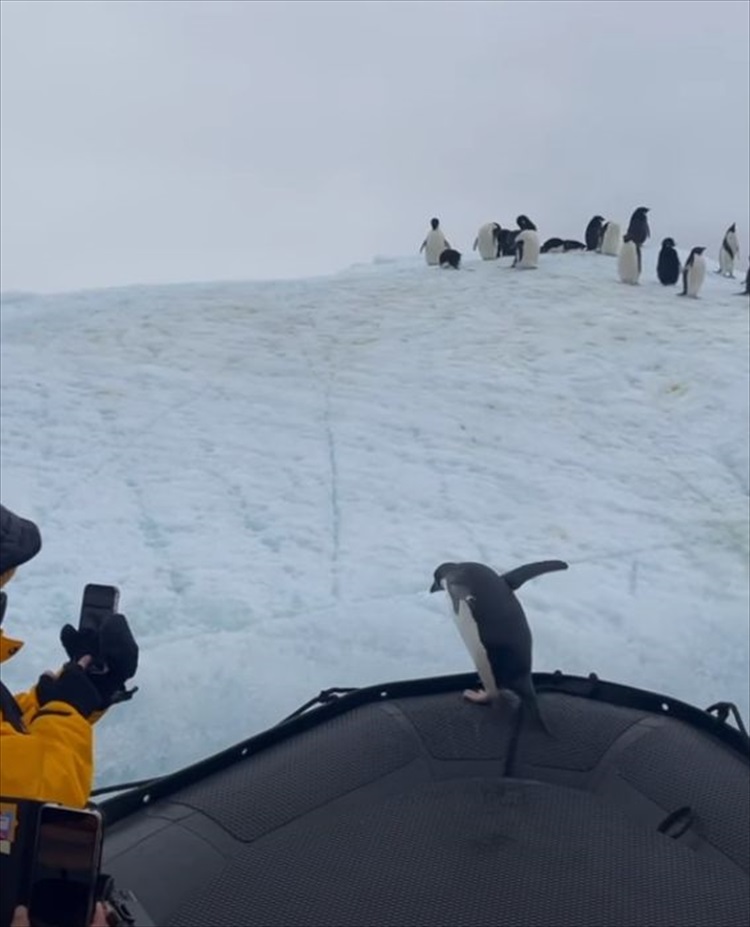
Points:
point(398, 814)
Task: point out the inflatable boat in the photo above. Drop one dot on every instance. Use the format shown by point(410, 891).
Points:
point(404, 804)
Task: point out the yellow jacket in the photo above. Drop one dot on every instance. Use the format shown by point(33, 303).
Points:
point(46, 754)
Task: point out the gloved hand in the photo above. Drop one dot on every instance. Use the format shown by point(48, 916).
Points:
point(71, 685)
point(114, 655)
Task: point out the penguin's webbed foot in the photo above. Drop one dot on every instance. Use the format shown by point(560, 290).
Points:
point(480, 697)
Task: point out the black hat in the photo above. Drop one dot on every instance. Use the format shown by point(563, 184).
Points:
point(20, 540)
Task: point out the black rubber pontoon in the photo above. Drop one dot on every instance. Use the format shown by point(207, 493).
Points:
point(405, 805)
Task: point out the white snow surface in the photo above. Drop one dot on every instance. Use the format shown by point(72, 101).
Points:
point(271, 472)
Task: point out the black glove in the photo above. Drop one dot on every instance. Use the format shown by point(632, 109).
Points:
point(74, 687)
point(114, 652)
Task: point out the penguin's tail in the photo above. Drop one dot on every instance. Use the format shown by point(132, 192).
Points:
point(531, 713)
point(516, 578)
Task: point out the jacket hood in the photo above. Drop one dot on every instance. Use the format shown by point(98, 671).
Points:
point(20, 540)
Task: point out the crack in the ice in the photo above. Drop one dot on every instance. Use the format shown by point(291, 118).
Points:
point(334, 495)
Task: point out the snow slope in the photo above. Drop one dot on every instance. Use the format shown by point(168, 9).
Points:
point(271, 472)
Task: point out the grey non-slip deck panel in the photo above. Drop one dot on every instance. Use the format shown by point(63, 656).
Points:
point(398, 813)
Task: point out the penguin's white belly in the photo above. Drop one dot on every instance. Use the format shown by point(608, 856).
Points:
point(627, 263)
point(435, 246)
point(467, 627)
point(486, 243)
point(611, 240)
point(530, 258)
point(726, 261)
point(696, 274)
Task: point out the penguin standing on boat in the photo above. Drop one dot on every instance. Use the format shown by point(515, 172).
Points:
point(729, 253)
point(494, 628)
point(693, 273)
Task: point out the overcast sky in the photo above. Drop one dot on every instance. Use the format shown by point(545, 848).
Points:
point(150, 142)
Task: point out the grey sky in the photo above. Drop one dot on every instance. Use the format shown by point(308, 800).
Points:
point(172, 141)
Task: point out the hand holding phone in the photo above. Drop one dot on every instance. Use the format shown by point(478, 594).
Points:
point(104, 635)
point(65, 869)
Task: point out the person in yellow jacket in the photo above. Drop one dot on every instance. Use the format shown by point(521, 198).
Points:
point(46, 736)
point(46, 739)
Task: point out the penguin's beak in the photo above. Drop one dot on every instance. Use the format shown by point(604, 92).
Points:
point(435, 587)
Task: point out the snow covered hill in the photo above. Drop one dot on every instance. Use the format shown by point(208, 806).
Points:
point(271, 472)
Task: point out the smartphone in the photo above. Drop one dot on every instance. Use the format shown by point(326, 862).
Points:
point(65, 870)
point(98, 604)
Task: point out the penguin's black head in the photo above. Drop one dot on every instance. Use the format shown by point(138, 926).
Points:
point(442, 572)
point(698, 250)
point(668, 243)
point(598, 219)
point(643, 210)
point(732, 227)
point(434, 223)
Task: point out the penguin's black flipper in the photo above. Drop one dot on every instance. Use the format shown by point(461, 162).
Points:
point(516, 578)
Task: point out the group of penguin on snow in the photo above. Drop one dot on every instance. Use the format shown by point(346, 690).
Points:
point(602, 237)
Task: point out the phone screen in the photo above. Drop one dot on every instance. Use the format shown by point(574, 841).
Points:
point(66, 867)
point(98, 602)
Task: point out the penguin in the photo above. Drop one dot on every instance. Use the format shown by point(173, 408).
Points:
point(629, 261)
point(506, 242)
point(524, 223)
point(494, 628)
point(638, 227)
point(497, 235)
point(746, 291)
point(486, 241)
point(435, 243)
point(693, 273)
point(594, 233)
point(553, 246)
point(729, 252)
point(611, 239)
point(668, 265)
point(570, 244)
point(527, 250)
point(450, 258)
